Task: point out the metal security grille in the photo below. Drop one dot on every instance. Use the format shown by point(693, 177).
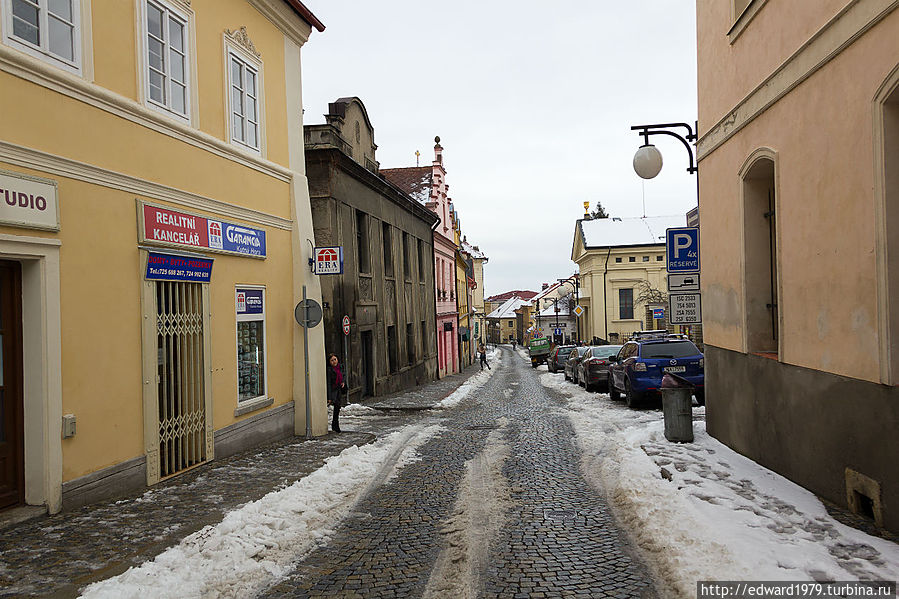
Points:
point(180, 388)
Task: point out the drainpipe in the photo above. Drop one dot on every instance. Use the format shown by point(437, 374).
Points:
point(605, 305)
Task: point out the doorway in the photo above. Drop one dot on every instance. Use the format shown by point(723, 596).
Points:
point(12, 438)
point(368, 374)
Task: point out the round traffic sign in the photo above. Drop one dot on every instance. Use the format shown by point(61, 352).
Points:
point(346, 325)
point(308, 313)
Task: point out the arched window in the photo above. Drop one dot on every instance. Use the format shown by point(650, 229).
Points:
point(887, 223)
point(761, 315)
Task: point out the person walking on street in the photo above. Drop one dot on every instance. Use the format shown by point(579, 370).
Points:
point(483, 351)
point(336, 389)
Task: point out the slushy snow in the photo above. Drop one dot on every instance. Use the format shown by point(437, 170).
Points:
point(701, 511)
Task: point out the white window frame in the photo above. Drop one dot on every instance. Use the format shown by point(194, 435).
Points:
point(248, 61)
point(42, 50)
point(183, 14)
point(264, 398)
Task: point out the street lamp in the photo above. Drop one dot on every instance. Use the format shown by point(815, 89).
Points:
point(576, 286)
point(648, 159)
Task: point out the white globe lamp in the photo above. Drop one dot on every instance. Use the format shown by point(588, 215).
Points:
point(648, 161)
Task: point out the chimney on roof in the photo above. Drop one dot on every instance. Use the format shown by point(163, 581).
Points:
point(545, 285)
point(438, 151)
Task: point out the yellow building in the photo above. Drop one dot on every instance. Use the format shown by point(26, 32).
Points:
point(620, 260)
point(478, 307)
point(799, 208)
point(153, 239)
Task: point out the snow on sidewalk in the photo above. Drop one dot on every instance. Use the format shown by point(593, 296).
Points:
point(701, 511)
point(257, 544)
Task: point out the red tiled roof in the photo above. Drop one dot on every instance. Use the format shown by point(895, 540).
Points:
point(527, 295)
point(414, 180)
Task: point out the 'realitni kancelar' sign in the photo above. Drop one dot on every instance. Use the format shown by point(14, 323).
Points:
point(181, 229)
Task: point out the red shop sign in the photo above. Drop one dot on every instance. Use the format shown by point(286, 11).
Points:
point(168, 226)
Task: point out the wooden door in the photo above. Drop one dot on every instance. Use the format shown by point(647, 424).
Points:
point(12, 441)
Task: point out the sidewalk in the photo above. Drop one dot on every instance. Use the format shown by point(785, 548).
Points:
point(57, 555)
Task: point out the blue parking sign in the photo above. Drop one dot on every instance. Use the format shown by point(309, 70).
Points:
point(682, 249)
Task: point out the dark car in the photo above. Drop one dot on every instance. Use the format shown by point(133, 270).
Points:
point(637, 370)
point(571, 363)
point(593, 370)
point(558, 356)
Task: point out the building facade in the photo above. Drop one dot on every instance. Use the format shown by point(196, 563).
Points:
point(621, 263)
point(799, 155)
point(387, 286)
point(478, 308)
point(153, 254)
point(427, 184)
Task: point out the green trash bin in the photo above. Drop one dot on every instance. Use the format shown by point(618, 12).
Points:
point(677, 408)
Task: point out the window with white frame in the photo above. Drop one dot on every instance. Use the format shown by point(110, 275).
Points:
point(166, 58)
point(244, 98)
point(251, 374)
point(47, 29)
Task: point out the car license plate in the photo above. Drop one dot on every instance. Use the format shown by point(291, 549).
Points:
point(675, 369)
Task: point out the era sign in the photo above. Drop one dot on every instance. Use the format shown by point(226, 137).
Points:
point(328, 260)
point(682, 247)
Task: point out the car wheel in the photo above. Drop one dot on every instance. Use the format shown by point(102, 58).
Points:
point(613, 392)
point(630, 396)
point(700, 397)
point(588, 386)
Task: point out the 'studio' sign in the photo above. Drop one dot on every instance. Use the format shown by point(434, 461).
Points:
point(27, 201)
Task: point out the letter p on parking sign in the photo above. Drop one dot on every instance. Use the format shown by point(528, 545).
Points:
point(682, 249)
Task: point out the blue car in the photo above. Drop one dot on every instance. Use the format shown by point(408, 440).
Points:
point(636, 372)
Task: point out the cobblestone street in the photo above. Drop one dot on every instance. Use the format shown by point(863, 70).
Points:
point(493, 506)
point(496, 507)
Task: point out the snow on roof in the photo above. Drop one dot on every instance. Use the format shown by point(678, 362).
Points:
point(508, 307)
point(473, 251)
point(414, 180)
point(606, 232)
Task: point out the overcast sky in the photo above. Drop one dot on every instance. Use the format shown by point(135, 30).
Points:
point(533, 103)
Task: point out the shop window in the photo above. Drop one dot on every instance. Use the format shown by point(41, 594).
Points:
point(47, 29)
point(626, 304)
point(250, 307)
point(243, 78)
point(166, 58)
point(760, 256)
point(387, 239)
point(363, 257)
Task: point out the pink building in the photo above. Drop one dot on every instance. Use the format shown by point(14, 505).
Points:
point(427, 184)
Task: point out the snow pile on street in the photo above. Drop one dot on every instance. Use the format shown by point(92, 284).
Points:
point(701, 511)
point(356, 409)
point(494, 358)
point(256, 544)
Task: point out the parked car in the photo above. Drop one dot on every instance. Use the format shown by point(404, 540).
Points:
point(571, 363)
point(636, 372)
point(558, 357)
point(593, 369)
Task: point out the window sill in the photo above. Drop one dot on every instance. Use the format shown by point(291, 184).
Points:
point(252, 405)
point(744, 19)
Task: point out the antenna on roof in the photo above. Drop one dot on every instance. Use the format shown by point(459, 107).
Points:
point(417, 154)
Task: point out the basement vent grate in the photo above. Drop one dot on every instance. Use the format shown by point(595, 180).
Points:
point(482, 427)
point(559, 515)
